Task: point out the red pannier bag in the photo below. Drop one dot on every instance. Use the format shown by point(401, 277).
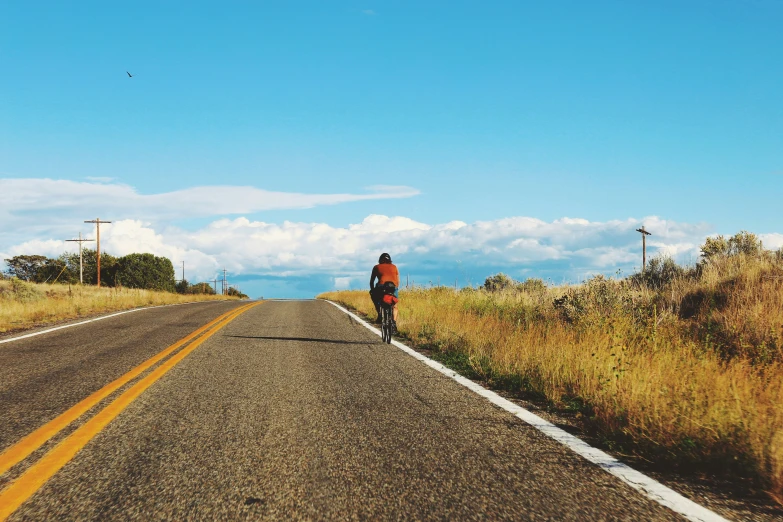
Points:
point(390, 299)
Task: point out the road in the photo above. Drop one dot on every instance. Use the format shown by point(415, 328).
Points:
point(291, 410)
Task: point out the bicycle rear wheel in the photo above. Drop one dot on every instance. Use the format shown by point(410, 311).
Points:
point(386, 325)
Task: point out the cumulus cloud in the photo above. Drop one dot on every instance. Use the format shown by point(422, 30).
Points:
point(522, 246)
point(772, 241)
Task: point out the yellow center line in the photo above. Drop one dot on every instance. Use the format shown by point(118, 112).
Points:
point(27, 445)
point(37, 475)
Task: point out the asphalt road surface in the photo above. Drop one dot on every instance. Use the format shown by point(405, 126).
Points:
point(291, 410)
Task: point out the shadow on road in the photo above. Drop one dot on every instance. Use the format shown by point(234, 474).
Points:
point(302, 339)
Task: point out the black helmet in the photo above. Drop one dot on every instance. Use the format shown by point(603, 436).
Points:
point(385, 258)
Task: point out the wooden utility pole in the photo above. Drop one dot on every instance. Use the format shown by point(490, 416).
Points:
point(183, 270)
point(98, 222)
point(81, 266)
point(644, 245)
point(215, 281)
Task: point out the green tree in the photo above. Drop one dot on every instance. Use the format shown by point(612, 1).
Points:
point(26, 268)
point(71, 263)
point(108, 267)
point(234, 292)
point(53, 270)
point(201, 288)
point(182, 286)
point(144, 271)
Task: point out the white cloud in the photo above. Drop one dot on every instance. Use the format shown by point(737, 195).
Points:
point(565, 249)
point(342, 283)
point(60, 204)
point(120, 201)
point(44, 247)
point(772, 241)
point(519, 245)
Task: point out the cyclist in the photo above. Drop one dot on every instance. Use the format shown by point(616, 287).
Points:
point(385, 272)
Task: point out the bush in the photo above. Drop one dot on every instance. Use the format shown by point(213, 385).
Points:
point(660, 272)
point(597, 299)
point(23, 292)
point(743, 242)
point(498, 282)
point(201, 288)
point(236, 293)
point(532, 286)
point(182, 286)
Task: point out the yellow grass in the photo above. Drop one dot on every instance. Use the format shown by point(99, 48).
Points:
point(25, 305)
point(664, 382)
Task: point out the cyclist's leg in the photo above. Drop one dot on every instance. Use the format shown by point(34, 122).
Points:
point(394, 308)
point(374, 295)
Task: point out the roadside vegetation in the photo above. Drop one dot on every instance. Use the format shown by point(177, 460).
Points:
point(677, 365)
point(37, 290)
point(26, 305)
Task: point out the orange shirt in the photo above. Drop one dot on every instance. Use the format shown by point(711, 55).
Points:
point(386, 272)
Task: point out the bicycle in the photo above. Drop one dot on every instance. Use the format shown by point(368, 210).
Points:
point(387, 323)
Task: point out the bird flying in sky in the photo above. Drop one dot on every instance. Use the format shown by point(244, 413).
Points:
point(129, 74)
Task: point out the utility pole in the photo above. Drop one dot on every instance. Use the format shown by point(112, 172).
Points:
point(81, 266)
point(644, 245)
point(215, 282)
point(225, 282)
point(183, 270)
point(98, 222)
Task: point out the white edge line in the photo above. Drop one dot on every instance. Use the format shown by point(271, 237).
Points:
point(651, 488)
point(94, 319)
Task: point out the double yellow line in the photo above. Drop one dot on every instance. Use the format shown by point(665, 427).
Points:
point(36, 476)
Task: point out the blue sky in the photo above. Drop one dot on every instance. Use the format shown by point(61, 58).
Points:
point(609, 112)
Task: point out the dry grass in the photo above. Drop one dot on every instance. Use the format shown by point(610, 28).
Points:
point(24, 305)
point(691, 373)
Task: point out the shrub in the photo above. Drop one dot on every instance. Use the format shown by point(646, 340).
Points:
point(598, 298)
point(201, 288)
point(236, 293)
point(660, 272)
point(498, 282)
point(24, 292)
point(741, 243)
point(532, 286)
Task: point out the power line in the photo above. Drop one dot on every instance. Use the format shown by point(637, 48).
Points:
point(81, 266)
point(98, 222)
point(644, 245)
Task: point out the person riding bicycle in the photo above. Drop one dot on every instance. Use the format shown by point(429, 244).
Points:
point(387, 275)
